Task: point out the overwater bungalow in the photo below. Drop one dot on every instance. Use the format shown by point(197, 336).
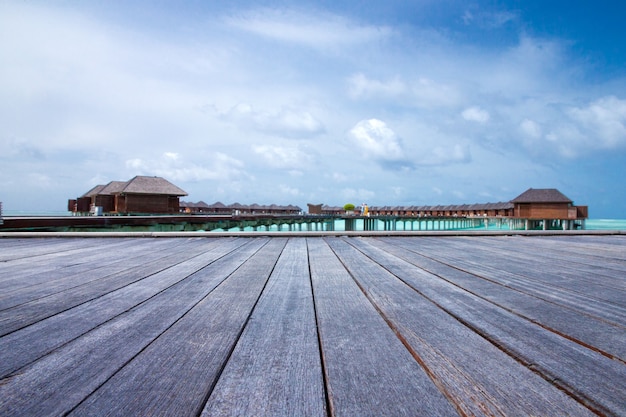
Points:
point(139, 195)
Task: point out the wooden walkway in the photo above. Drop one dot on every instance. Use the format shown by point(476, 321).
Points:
point(313, 326)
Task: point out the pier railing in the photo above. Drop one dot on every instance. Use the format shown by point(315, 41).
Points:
point(412, 223)
point(290, 223)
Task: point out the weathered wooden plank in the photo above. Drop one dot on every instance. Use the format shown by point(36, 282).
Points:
point(12, 271)
point(529, 275)
point(34, 341)
point(602, 249)
point(25, 314)
point(277, 355)
point(61, 380)
point(591, 378)
point(597, 261)
point(74, 269)
point(542, 305)
point(476, 375)
point(43, 269)
point(560, 268)
point(80, 267)
point(36, 247)
point(369, 372)
point(569, 278)
point(56, 258)
point(160, 343)
point(174, 375)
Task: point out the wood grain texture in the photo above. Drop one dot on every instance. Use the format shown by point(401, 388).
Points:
point(189, 356)
point(32, 342)
point(90, 285)
point(341, 326)
point(587, 376)
point(557, 308)
point(369, 371)
point(474, 370)
point(66, 376)
point(275, 369)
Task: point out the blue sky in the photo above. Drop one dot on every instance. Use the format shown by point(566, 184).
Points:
point(385, 103)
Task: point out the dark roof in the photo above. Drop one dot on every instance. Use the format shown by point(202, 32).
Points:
point(114, 187)
point(200, 204)
point(94, 191)
point(137, 185)
point(151, 185)
point(541, 195)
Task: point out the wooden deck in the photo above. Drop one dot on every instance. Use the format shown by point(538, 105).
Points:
point(313, 326)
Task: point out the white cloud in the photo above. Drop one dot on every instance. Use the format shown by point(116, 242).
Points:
point(573, 131)
point(532, 68)
point(423, 92)
point(475, 114)
point(172, 156)
point(173, 167)
point(283, 157)
point(428, 93)
point(604, 122)
point(287, 190)
point(356, 195)
point(531, 129)
point(285, 122)
point(339, 177)
point(318, 30)
point(398, 192)
point(489, 20)
point(359, 86)
point(444, 155)
point(376, 140)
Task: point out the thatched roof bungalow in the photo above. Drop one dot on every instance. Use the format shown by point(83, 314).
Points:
point(139, 195)
point(546, 203)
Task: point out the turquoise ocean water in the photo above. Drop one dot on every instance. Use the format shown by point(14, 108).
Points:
point(606, 224)
point(590, 224)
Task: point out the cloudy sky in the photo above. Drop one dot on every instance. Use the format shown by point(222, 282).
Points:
point(334, 102)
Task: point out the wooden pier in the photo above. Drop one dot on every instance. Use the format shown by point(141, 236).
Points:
point(290, 223)
point(313, 326)
point(167, 223)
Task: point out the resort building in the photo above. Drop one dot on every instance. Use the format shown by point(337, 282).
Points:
point(140, 195)
point(220, 208)
point(547, 203)
point(544, 208)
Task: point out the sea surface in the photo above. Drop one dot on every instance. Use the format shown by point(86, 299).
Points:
point(605, 224)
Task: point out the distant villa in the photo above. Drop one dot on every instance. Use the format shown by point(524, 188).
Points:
point(544, 203)
point(220, 208)
point(156, 195)
point(139, 195)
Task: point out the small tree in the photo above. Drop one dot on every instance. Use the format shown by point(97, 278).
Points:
point(349, 207)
